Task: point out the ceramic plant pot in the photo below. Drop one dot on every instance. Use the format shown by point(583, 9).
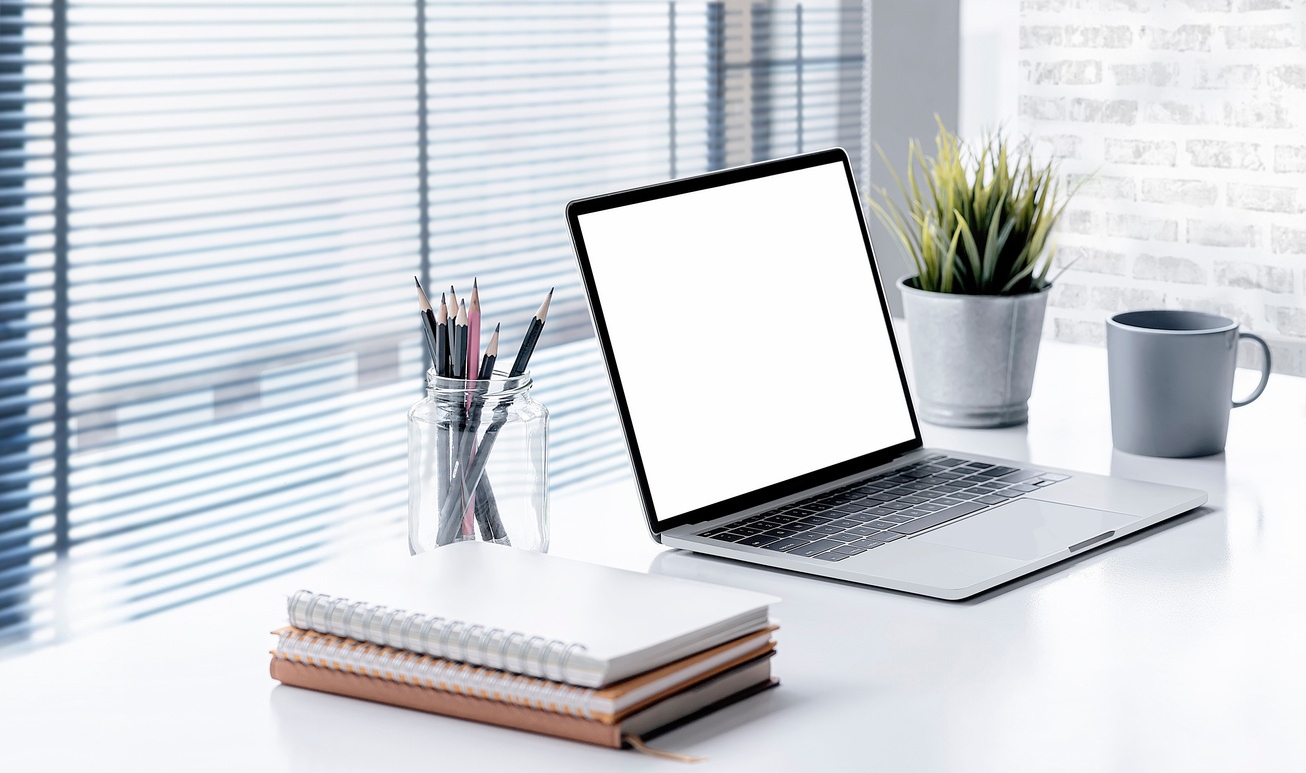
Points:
point(973, 355)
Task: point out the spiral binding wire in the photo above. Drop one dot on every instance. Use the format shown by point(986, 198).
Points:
point(397, 665)
point(436, 636)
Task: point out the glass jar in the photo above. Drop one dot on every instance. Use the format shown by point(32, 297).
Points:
point(478, 454)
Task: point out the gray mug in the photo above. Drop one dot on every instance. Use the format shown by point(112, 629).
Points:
point(1171, 377)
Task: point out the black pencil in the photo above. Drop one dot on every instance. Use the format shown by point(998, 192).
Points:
point(442, 364)
point(531, 338)
point(443, 450)
point(460, 344)
point(491, 354)
point(453, 313)
point(450, 522)
point(487, 512)
point(486, 507)
point(428, 325)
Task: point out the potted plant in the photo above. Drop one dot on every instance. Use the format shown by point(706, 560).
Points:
point(979, 231)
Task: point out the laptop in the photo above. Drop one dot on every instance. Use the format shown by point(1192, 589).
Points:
point(761, 393)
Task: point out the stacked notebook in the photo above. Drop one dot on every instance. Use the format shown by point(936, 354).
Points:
point(529, 641)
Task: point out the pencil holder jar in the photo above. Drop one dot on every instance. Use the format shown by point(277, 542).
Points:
point(478, 462)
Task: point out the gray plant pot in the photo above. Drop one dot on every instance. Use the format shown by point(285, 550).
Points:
point(973, 355)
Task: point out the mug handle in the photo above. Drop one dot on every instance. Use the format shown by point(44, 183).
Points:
point(1265, 369)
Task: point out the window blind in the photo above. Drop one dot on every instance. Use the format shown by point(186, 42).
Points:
point(536, 103)
point(240, 193)
point(27, 522)
point(210, 216)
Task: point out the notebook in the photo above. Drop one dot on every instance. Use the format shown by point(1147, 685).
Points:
point(602, 705)
point(711, 694)
point(530, 613)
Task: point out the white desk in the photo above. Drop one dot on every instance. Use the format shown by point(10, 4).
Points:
point(1182, 649)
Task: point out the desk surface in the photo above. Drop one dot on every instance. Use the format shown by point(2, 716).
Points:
point(1178, 649)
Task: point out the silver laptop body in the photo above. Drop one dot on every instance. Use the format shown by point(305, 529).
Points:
point(761, 393)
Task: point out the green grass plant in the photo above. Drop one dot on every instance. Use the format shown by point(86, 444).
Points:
point(978, 222)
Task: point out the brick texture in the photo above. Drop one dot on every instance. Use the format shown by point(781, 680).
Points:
point(1183, 124)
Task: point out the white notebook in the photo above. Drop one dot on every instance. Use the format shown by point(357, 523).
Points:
point(531, 613)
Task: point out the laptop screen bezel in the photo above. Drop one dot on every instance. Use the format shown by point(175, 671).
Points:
point(812, 480)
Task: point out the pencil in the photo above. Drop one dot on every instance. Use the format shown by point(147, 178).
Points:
point(473, 349)
point(531, 338)
point(442, 339)
point(428, 325)
point(484, 507)
point(473, 331)
point(491, 354)
point(487, 514)
point(453, 313)
point(460, 362)
point(443, 449)
point(460, 343)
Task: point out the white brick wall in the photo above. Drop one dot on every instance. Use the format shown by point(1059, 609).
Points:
point(1190, 115)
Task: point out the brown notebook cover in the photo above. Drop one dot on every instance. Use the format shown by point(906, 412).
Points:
point(364, 659)
point(708, 694)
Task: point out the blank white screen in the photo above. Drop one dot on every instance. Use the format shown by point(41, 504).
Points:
point(747, 333)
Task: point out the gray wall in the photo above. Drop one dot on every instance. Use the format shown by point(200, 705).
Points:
point(1191, 123)
point(915, 67)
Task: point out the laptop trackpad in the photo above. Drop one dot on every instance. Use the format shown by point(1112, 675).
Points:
point(1027, 529)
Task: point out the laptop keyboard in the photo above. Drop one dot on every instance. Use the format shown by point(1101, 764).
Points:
point(865, 515)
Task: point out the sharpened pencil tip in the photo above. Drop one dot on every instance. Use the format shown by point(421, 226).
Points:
point(422, 300)
point(544, 307)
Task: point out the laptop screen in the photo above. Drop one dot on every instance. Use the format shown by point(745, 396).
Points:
point(744, 331)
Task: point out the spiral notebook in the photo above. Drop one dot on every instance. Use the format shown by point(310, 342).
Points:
point(530, 613)
point(605, 705)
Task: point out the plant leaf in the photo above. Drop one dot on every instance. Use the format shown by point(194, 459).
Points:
point(949, 263)
point(972, 251)
point(990, 260)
